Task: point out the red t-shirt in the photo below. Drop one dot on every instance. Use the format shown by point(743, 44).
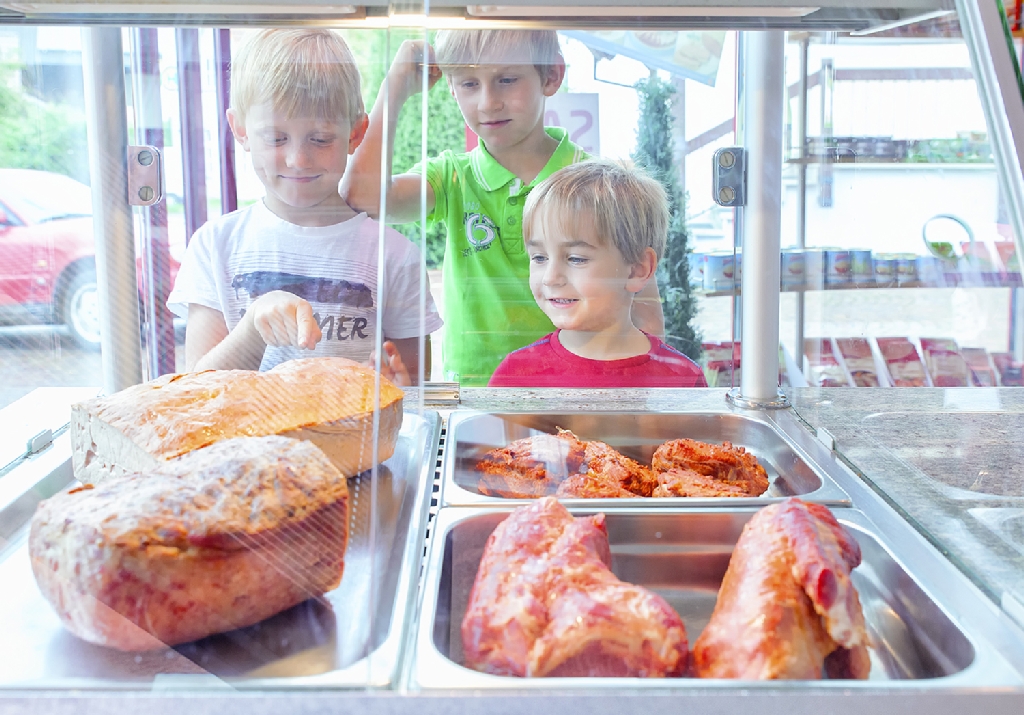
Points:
point(546, 363)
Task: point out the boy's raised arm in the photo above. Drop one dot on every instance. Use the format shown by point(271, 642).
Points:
point(360, 186)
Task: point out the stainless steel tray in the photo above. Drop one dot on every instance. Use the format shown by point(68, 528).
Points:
point(335, 641)
point(792, 471)
point(683, 555)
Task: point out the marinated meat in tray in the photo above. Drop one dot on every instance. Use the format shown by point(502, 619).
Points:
point(531, 467)
point(545, 603)
point(787, 608)
point(565, 466)
point(218, 539)
point(687, 468)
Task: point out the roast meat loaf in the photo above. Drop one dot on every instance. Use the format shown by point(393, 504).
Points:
point(328, 401)
point(218, 539)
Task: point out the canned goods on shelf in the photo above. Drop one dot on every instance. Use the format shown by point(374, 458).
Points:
point(931, 271)
point(906, 269)
point(862, 271)
point(884, 265)
point(837, 266)
point(792, 269)
point(719, 271)
point(814, 268)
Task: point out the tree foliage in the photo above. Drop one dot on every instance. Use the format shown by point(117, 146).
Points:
point(654, 152)
point(39, 135)
point(445, 126)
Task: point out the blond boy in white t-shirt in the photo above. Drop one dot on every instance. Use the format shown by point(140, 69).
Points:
point(297, 274)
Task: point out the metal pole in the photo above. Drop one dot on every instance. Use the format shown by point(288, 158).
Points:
point(225, 139)
point(190, 110)
point(149, 129)
point(801, 190)
point(106, 117)
point(764, 95)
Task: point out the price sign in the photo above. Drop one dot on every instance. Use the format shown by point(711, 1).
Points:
point(578, 115)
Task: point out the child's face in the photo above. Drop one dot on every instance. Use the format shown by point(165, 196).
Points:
point(503, 102)
point(580, 282)
point(300, 160)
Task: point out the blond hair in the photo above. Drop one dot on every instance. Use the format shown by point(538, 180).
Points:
point(465, 48)
point(626, 207)
point(300, 73)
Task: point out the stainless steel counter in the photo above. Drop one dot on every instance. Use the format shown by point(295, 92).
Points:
point(903, 475)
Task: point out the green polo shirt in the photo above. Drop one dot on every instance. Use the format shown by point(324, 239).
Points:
point(489, 310)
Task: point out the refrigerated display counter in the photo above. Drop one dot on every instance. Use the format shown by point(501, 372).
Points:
point(927, 480)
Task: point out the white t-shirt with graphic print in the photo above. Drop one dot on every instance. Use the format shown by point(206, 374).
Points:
point(236, 258)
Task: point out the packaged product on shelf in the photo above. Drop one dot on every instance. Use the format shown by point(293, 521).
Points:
point(792, 273)
point(906, 269)
point(837, 267)
point(720, 361)
point(945, 364)
point(903, 362)
point(859, 360)
point(982, 372)
point(884, 265)
point(931, 271)
point(814, 268)
point(1010, 370)
point(862, 271)
point(719, 271)
point(822, 367)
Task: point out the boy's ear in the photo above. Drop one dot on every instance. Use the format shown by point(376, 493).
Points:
point(358, 133)
point(641, 272)
point(553, 79)
point(238, 129)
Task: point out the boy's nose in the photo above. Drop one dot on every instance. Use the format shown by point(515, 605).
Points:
point(297, 156)
point(490, 101)
point(553, 274)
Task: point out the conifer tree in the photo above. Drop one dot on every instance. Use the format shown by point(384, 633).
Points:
point(654, 152)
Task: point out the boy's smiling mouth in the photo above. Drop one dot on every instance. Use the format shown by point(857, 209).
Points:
point(301, 179)
point(563, 302)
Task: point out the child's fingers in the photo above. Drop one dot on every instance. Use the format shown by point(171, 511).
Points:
point(307, 332)
point(397, 371)
point(273, 328)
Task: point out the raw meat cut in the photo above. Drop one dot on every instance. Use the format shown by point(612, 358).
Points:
point(686, 467)
point(545, 603)
point(787, 608)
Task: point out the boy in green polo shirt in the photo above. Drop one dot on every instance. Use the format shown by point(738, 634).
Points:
point(500, 79)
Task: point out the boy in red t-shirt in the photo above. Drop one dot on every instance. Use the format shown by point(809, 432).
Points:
point(594, 232)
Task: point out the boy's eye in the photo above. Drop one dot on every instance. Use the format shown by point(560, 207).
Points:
point(322, 141)
point(538, 258)
point(275, 139)
point(578, 260)
point(508, 80)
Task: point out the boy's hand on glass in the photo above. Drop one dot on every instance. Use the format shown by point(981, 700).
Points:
point(391, 365)
point(406, 70)
point(284, 319)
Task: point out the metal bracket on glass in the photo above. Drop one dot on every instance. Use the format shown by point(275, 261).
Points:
point(733, 397)
point(39, 442)
point(145, 176)
point(730, 177)
point(826, 438)
point(441, 394)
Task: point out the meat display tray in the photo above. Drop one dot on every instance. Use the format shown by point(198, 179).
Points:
point(333, 641)
point(792, 469)
point(683, 555)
